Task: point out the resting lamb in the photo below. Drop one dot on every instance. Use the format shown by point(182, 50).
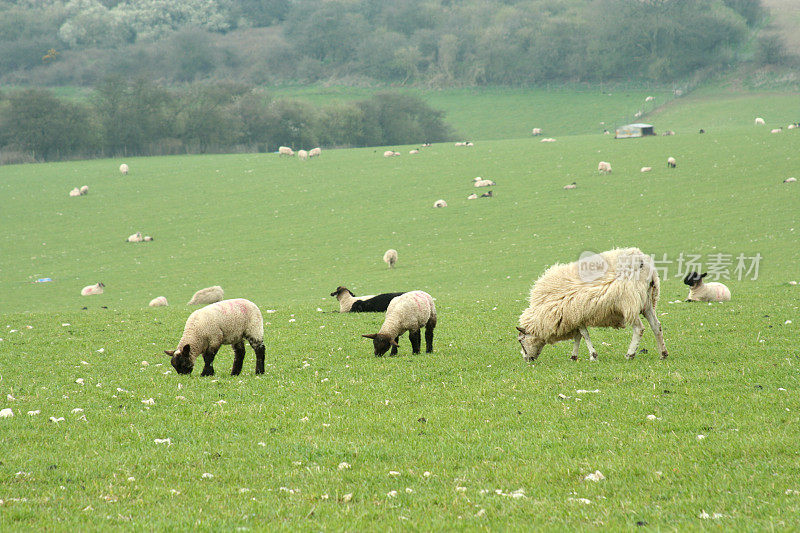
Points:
point(350, 303)
point(705, 292)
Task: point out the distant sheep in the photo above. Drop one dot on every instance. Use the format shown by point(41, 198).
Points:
point(136, 237)
point(315, 152)
point(89, 290)
point(604, 167)
point(465, 143)
point(390, 257)
point(760, 121)
point(147, 238)
point(75, 192)
point(705, 292)
point(472, 196)
point(572, 185)
point(536, 132)
point(791, 126)
point(124, 169)
point(160, 301)
point(668, 133)
point(483, 183)
point(487, 194)
point(439, 203)
point(413, 152)
point(226, 322)
point(790, 180)
point(610, 289)
point(547, 140)
point(646, 169)
point(409, 312)
point(206, 296)
point(285, 150)
point(302, 154)
point(374, 303)
point(776, 130)
point(649, 98)
point(390, 153)
point(84, 190)
point(671, 162)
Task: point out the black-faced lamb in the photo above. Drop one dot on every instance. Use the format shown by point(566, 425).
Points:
point(705, 292)
point(572, 185)
point(671, 162)
point(408, 312)
point(209, 295)
point(89, 290)
point(84, 190)
point(136, 237)
point(440, 203)
point(390, 257)
point(487, 194)
point(374, 303)
point(226, 322)
point(610, 289)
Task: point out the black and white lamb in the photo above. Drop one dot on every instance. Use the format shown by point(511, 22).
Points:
point(705, 292)
point(408, 312)
point(374, 303)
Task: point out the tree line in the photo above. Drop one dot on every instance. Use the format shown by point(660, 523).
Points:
point(144, 118)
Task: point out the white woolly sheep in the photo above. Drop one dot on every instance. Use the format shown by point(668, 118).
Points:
point(472, 196)
point(285, 150)
point(547, 140)
point(483, 183)
point(388, 153)
point(777, 130)
point(396, 153)
point(760, 121)
point(610, 289)
point(572, 185)
point(75, 192)
point(226, 322)
point(469, 143)
point(302, 154)
point(124, 169)
point(390, 257)
point(649, 98)
point(136, 237)
point(147, 238)
point(461, 143)
point(536, 132)
point(439, 203)
point(791, 126)
point(604, 167)
point(84, 190)
point(160, 301)
point(89, 290)
point(408, 312)
point(646, 169)
point(671, 162)
point(790, 180)
point(315, 152)
point(705, 292)
point(413, 152)
point(209, 295)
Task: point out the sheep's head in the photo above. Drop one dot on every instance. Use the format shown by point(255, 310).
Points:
point(531, 346)
point(693, 278)
point(381, 342)
point(181, 359)
point(340, 289)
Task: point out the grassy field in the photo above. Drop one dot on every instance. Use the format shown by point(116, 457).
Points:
point(330, 437)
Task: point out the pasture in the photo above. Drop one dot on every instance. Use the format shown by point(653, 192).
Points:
point(469, 437)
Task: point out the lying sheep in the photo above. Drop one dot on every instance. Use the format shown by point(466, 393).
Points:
point(536, 132)
point(209, 295)
point(302, 154)
point(124, 169)
point(160, 301)
point(147, 238)
point(350, 303)
point(671, 162)
point(777, 130)
point(790, 180)
point(75, 192)
point(315, 152)
point(572, 185)
point(547, 140)
point(390, 153)
point(226, 322)
point(90, 290)
point(440, 203)
point(483, 183)
point(390, 257)
point(136, 237)
point(705, 292)
point(646, 169)
point(610, 289)
point(472, 196)
point(84, 190)
point(409, 312)
point(760, 121)
point(413, 152)
point(487, 194)
point(604, 167)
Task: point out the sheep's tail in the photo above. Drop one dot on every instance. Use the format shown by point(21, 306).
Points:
point(655, 289)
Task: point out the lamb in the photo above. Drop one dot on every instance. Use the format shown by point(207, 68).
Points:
point(760, 121)
point(226, 322)
point(147, 238)
point(302, 154)
point(413, 152)
point(390, 257)
point(487, 194)
point(408, 312)
point(90, 290)
point(536, 132)
point(136, 237)
point(777, 130)
point(349, 303)
point(547, 140)
point(610, 289)
point(483, 183)
point(315, 152)
point(160, 301)
point(75, 192)
point(124, 169)
point(671, 162)
point(209, 295)
point(572, 185)
point(285, 150)
point(649, 98)
point(461, 143)
point(790, 180)
point(472, 196)
point(388, 153)
point(439, 203)
point(646, 169)
point(705, 292)
point(84, 190)
point(604, 167)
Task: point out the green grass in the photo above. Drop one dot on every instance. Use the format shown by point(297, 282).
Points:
point(284, 233)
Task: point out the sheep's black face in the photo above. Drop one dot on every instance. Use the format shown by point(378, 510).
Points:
point(381, 345)
point(692, 279)
point(181, 361)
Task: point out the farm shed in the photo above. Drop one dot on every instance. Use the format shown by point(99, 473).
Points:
point(634, 130)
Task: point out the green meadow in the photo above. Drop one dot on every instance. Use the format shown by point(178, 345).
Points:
point(468, 438)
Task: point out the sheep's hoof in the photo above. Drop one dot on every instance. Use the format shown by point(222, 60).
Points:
point(207, 371)
point(573, 357)
point(664, 355)
point(630, 355)
point(593, 357)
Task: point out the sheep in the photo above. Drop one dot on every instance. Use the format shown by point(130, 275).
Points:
point(413, 152)
point(124, 169)
point(791, 126)
point(89, 290)
point(646, 169)
point(388, 153)
point(160, 301)
point(315, 152)
point(536, 132)
point(668, 133)
point(285, 150)
point(610, 289)
point(75, 192)
point(426, 145)
point(302, 154)
point(790, 180)
point(547, 140)
point(136, 237)
point(409, 312)
point(461, 143)
point(209, 295)
point(390, 257)
point(472, 196)
point(701, 131)
point(395, 153)
point(469, 143)
point(487, 194)
point(760, 121)
point(649, 98)
point(705, 292)
point(349, 303)
point(226, 322)
point(84, 190)
point(671, 162)
point(776, 130)
point(439, 203)
point(604, 167)
point(483, 183)
point(147, 238)
point(572, 185)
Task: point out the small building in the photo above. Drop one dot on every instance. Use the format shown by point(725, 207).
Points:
point(634, 130)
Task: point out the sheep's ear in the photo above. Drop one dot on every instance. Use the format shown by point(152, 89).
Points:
point(393, 342)
point(186, 350)
point(370, 336)
point(169, 352)
point(704, 274)
point(520, 329)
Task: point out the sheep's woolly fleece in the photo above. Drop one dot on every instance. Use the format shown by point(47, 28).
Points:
point(209, 295)
point(408, 312)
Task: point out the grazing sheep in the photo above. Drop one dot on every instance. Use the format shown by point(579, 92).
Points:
point(760, 121)
point(705, 292)
point(285, 150)
point(409, 312)
point(671, 162)
point(349, 303)
point(487, 194)
point(124, 169)
point(604, 167)
point(302, 154)
point(790, 180)
point(75, 192)
point(315, 152)
point(610, 289)
point(84, 190)
point(572, 185)
point(536, 132)
point(777, 130)
point(160, 301)
point(209, 295)
point(440, 203)
point(646, 169)
point(89, 290)
point(136, 237)
point(668, 133)
point(649, 98)
point(413, 152)
point(390, 257)
point(483, 183)
point(472, 196)
point(226, 322)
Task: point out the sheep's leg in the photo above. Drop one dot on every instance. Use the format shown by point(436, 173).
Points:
point(415, 338)
point(258, 347)
point(208, 360)
point(638, 331)
point(585, 334)
point(576, 346)
point(394, 347)
point(238, 358)
point(429, 337)
point(655, 325)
